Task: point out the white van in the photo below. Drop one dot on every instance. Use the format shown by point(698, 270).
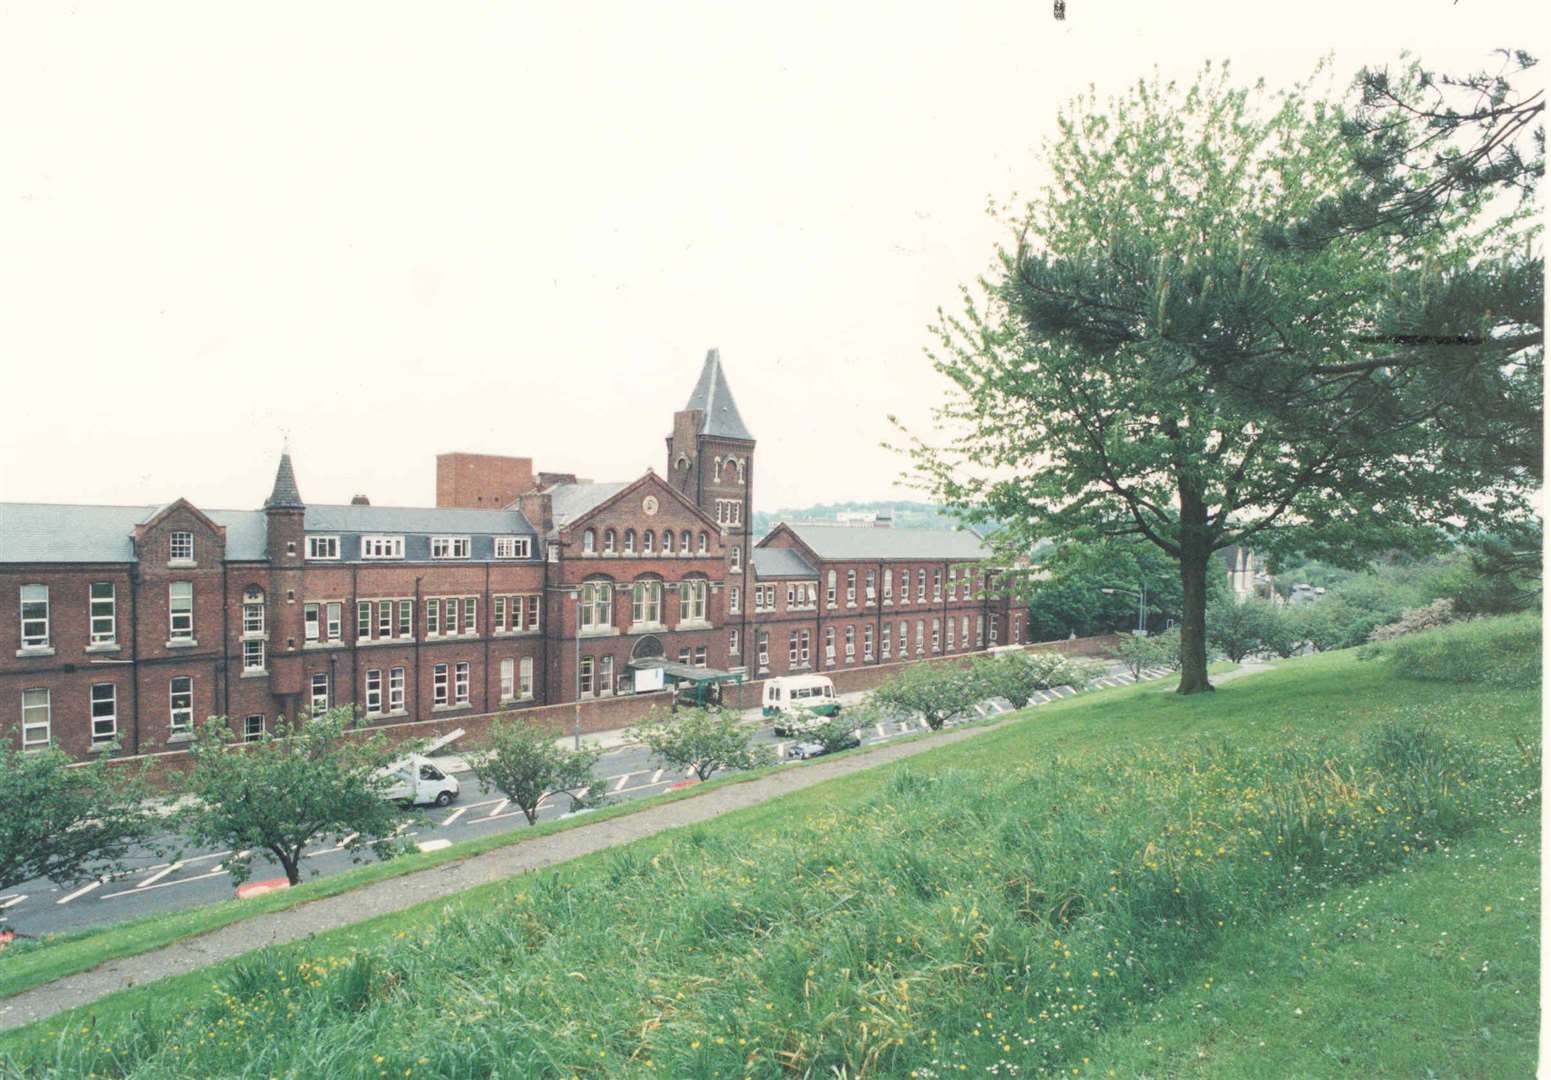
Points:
point(418, 781)
point(798, 702)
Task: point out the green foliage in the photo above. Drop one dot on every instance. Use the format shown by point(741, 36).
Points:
point(66, 823)
point(295, 784)
point(1501, 651)
point(907, 900)
point(935, 692)
point(1068, 594)
point(524, 762)
point(704, 740)
point(1239, 629)
point(1436, 614)
point(1139, 653)
point(1016, 675)
point(835, 732)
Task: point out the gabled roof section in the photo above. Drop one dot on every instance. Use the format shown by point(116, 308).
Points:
point(181, 504)
point(410, 519)
point(772, 562)
point(72, 533)
point(858, 542)
point(285, 495)
point(579, 501)
point(713, 397)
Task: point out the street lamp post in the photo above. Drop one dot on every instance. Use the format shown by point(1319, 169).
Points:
point(1141, 605)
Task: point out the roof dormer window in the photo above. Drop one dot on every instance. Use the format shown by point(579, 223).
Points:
point(180, 547)
point(382, 547)
point(513, 547)
point(449, 547)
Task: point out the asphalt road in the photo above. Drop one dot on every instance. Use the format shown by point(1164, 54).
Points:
point(151, 885)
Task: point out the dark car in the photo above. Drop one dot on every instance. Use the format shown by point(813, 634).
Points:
point(802, 751)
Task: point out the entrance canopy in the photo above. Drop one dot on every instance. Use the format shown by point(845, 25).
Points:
point(686, 673)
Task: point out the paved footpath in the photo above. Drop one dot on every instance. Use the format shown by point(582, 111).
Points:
point(396, 894)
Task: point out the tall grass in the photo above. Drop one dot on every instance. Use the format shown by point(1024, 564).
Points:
point(1501, 651)
point(942, 922)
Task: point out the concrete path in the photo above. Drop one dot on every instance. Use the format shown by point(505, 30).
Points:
point(396, 894)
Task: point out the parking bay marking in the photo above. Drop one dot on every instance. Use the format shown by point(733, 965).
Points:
point(12, 901)
point(455, 815)
point(82, 891)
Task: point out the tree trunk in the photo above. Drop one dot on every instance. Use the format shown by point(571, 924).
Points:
point(1194, 564)
point(292, 868)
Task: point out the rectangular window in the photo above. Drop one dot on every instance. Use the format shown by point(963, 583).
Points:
point(904, 640)
point(508, 679)
point(450, 609)
point(936, 635)
point(734, 600)
point(253, 654)
point(764, 649)
point(103, 613)
point(920, 636)
point(791, 648)
point(700, 656)
point(37, 718)
point(433, 618)
point(950, 635)
point(382, 547)
point(253, 616)
point(829, 589)
point(310, 619)
point(335, 613)
point(181, 547)
point(526, 672)
point(684, 657)
point(953, 584)
point(180, 694)
point(385, 618)
point(439, 684)
point(374, 692)
point(513, 547)
point(323, 547)
point(498, 614)
point(533, 612)
point(694, 600)
point(104, 712)
point(180, 611)
point(471, 614)
point(461, 683)
point(964, 631)
point(888, 586)
point(320, 691)
point(406, 618)
point(872, 586)
point(396, 689)
point(253, 728)
point(829, 644)
point(850, 586)
point(584, 677)
point(888, 641)
point(980, 630)
point(920, 585)
point(866, 643)
point(449, 547)
point(605, 674)
point(850, 643)
point(993, 631)
point(732, 642)
point(363, 620)
point(807, 641)
point(936, 584)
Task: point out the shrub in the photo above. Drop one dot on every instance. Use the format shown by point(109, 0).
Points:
point(936, 692)
point(1156, 650)
point(1015, 676)
point(524, 762)
point(703, 741)
point(1502, 651)
point(1436, 614)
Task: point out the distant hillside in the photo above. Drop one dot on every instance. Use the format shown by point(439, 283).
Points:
point(907, 515)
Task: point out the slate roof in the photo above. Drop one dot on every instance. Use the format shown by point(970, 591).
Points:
point(713, 397)
point(571, 501)
point(69, 533)
point(772, 562)
point(847, 542)
point(285, 496)
point(405, 519)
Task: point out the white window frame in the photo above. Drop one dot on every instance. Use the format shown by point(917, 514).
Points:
point(249, 732)
point(30, 725)
point(606, 665)
point(373, 692)
point(450, 547)
point(850, 643)
point(850, 588)
point(508, 678)
point(829, 644)
point(39, 636)
point(441, 684)
point(103, 624)
point(460, 682)
point(334, 612)
point(734, 600)
point(180, 718)
point(99, 734)
point(312, 621)
point(886, 642)
point(318, 701)
point(253, 655)
point(525, 675)
point(513, 547)
point(381, 546)
point(180, 620)
point(180, 539)
point(732, 642)
point(831, 581)
point(323, 547)
point(396, 690)
point(867, 642)
point(764, 649)
point(694, 599)
point(253, 620)
point(584, 677)
point(646, 603)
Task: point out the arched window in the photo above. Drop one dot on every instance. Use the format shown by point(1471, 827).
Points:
point(692, 599)
point(667, 541)
point(646, 603)
point(648, 541)
point(589, 542)
point(595, 608)
point(705, 543)
point(737, 558)
point(629, 541)
point(682, 463)
point(743, 475)
point(687, 544)
point(716, 467)
point(608, 541)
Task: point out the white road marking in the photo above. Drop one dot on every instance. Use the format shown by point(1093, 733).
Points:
point(657, 776)
point(621, 785)
point(154, 878)
point(12, 901)
point(455, 815)
point(880, 730)
point(82, 891)
point(217, 872)
point(346, 839)
point(434, 845)
point(502, 805)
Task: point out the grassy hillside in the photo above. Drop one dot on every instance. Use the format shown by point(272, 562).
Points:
point(1034, 901)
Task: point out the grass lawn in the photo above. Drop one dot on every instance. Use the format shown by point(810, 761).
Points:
point(1044, 899)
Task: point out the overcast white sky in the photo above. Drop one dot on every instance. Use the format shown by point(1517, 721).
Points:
point(399, 230)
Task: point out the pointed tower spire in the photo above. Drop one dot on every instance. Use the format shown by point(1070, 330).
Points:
point(713, 398)
point(285, 496)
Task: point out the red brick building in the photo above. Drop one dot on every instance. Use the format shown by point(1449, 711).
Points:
point(133, 624)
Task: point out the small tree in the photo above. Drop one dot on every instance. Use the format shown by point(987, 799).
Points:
point(1015, 676)
point(836, 732)
point(524, 762)
point(66, 824)
point(281, 793)
point(1239, 629)
point(937, 692)
point(1154, 650)
point(704, 740)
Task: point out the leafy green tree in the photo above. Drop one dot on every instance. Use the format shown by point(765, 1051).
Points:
point(1067, 595)
point(836, 732)
point(298, 783)
point(1238, 629)
point(524, 762)
point(1142, 653)
point(935, 692)
point(67, 823)
point(704, 740)
point(1140, 364)
point(1015, 676)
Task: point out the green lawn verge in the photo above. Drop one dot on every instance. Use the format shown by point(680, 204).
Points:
point(1014, 899)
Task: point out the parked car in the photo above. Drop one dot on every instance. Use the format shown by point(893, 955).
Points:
point(802, 751)
point(417, 780)
point(798, 703)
